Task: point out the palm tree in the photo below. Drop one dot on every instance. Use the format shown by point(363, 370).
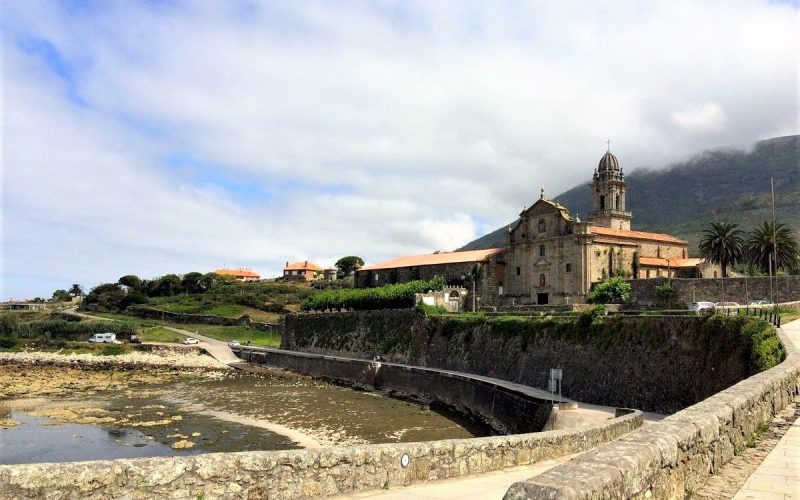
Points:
point(722, 244)
point(761, 251)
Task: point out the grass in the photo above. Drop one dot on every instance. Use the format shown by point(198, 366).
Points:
point(160, 334)
point(788, 315)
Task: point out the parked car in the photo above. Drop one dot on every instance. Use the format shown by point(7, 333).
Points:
point(760, 302)
point(135, 339)
point(233, 343)
point(727, 304)
point(103, 337)
point(191, 341)
point(702, 307)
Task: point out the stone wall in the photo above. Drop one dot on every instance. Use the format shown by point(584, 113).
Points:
point(741, 290)
point(657, 364)
point(300, 473)
point(502, 406)
point(672, 458)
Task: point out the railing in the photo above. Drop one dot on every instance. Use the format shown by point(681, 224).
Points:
point(769, 314)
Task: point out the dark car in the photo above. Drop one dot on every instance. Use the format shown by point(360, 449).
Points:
point(135, 339)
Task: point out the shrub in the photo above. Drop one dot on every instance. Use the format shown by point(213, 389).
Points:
point(113, 350)
point(664, 293)
point(70, 329)
point(7, 342)
point(399, 296)
point(611, 291)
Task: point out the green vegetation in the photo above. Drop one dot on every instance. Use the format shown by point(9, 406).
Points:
point(347, 265)
point(398, 296)
point(664, 294)
point(112, 350)
point(766, 243)
point(611, 291)
point(59, 328)
point(241, 333)
point(160, 334)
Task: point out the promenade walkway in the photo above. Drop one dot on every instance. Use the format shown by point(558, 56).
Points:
point(778, 476)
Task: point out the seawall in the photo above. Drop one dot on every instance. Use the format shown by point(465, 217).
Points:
point(652, 363)
point(672, 458)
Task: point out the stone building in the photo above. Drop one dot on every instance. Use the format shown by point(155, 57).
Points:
point(552, 257)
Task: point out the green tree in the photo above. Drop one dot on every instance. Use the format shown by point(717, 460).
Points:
point(209, 281)
point(611, 291)
point(75, 290)
point(347, 265)
point(761, 250)
point(61, 296)
point(131, 281)
point(165, 286)
point(722, 244)
point(192, 283)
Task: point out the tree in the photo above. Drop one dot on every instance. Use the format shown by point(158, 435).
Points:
point(164, 286)
point(131, 281)
point(611, 291)
point(209, 281)
point(192, 283)
point(75, 290)
point(760, 249)
point(347, 265)
point(61, 296)
point(722, 244)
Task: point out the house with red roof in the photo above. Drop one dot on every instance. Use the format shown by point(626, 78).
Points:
point(301, 271)
point(240, 273)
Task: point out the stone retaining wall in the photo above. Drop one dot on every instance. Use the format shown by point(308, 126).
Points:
point(300, 473)
point(741, 290)
point(202, 319)
point(672, 458)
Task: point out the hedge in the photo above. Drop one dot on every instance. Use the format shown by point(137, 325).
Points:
point(70, 329)
point(399, 296)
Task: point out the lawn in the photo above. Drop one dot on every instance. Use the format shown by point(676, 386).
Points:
point(160, 334)
point(788, 315)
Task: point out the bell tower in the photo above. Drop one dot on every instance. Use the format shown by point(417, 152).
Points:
point(608, 192)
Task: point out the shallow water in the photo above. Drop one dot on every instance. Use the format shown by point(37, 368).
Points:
point(231, 412)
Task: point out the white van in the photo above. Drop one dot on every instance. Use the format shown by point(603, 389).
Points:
point(103, 337)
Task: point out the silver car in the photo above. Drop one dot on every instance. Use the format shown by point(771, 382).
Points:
point(701, 306)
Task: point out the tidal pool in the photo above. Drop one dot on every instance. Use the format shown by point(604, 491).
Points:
point(69, 415)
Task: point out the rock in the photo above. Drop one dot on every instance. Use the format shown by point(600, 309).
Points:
point(182, 444)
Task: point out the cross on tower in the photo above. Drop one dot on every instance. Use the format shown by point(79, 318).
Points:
point(608, 144)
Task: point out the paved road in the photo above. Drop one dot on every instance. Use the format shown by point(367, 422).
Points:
point(778, 477)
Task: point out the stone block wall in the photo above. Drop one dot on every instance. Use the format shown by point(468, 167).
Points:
point(300, 473)
point(203, 319)
point(670, 459)
point(740, 290)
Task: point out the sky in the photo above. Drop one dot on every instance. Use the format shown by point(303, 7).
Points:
point(154, 137)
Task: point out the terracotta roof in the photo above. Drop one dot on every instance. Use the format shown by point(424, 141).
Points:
point(302, 266)
point(662, 262)
point(434, 259)
point(636, 235)
point(239, 273)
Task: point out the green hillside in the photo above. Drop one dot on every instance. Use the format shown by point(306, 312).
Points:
point(725, 184)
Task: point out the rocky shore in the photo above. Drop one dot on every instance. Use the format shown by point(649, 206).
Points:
point(171, 359)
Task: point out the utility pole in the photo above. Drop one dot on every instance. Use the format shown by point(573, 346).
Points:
point(774, 240)
point(473, 294)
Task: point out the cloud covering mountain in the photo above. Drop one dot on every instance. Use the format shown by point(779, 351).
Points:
point(155, 137)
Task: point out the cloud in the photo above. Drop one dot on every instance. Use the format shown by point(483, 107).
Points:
point(168, 137)
point(703, 117)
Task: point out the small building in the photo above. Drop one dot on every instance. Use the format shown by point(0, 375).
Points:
point(24, 306)
point(329, 274)
point(240, 273)
point(301, 271)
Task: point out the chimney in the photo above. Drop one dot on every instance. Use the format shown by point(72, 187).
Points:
point(287, 263)
point(306, 264)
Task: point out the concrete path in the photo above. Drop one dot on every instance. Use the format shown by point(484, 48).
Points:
point(778, 477)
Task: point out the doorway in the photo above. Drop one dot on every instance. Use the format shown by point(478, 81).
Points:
point(542, 299)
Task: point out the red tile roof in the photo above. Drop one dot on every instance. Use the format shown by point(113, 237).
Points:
point(239, 273)
point(302, 266)
point(636, 235)
point(662, 262)
point(434, 259)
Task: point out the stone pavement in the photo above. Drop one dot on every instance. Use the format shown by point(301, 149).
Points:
point(778, 476)
point(478, 486)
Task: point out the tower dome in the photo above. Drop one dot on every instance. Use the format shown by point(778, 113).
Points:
point(608, 162)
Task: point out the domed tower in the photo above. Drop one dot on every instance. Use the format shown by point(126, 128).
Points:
point(608, 190)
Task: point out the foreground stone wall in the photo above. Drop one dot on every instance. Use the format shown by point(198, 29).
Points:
point(656, 364)
point(300, 473)
point(741, 290)
point(502, 406)
point(672, 458)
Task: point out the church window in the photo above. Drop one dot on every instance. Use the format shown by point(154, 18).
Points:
point(542, 226)
point(541, 250)
point(541, 280)
point(569, 267)
point(376, 278)
point(602, 202)
point(519, 271)
point(616, 201)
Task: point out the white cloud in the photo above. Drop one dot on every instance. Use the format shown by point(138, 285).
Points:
point(703, 117)
point(315, 130)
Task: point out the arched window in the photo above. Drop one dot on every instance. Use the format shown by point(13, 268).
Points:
point(616, 201)
point(541, 280)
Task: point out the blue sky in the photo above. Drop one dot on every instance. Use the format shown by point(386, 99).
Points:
point(156, 137)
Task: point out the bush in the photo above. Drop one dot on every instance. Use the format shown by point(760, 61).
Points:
point(7, 342)
point(611, 291)
point(112, 350)
point(432, 309)
point(664, 293)
point(70, 329)
point(399, 296)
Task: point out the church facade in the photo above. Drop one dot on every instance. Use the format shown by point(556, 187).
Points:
point(552, 257)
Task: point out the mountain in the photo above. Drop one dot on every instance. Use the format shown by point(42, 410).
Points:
point(723, 184)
